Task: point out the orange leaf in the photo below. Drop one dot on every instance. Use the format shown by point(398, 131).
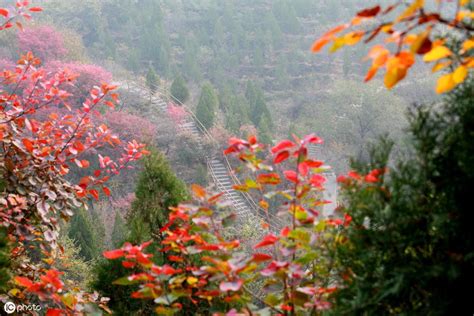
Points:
point(320, 43)
point(198, 191)
point(371, 73)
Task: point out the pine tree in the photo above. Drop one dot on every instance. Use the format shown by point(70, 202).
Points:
point(158, 188)
point(119, 231)
point(179, 90)
point(152, 80)
point(264, 130)
point(83, 233)
point(207, 106)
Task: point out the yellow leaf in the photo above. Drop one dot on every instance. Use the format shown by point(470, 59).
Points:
point(440, 65)
point(192, 280)
point(410, 39)
point(417, 4)
point(463, 2)
point(338, 43)
point(437, 53)
point(469, 62)
point(445, 83)
point(460, 74)
point(468, 45)
point(352, 38)
point(393, 76)
point(387, 28)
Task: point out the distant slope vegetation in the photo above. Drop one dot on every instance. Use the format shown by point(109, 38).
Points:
point(230, 43)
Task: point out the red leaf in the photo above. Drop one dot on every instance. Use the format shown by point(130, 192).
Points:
point(314, 163)
point(36, 9)
point(23, 281)
point(291, 176)
point(347, 219)
point(282, 156)
point(175, 259)
point(94, 193)
point(114, 254)
point(28, 144)
point(370, 12)
point(231, 286)
point(128, 264)
point(285, 231)
point(106, 191)
point(282, 145)
point(4, 12)
point(267, 241)
point(252, 140)
point(312, 139)
point(168, 270)
point(370, 178)
point(317, 180)
point(54, 312)
point(260, 257)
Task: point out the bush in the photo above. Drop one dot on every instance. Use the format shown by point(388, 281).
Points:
point(411, 250)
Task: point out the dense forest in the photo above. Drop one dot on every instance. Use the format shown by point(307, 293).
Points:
point(209, 157)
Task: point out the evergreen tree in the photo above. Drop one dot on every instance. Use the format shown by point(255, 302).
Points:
point(179, 90)
point(237, 114)
point(152, 80)
point(264, 130)
point(83, 233)
point(190, 64)
point(410, 249)
point(207, 106)
point(119, 231)
point(158, 188)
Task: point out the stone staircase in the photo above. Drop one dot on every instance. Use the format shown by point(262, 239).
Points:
point(219, 168)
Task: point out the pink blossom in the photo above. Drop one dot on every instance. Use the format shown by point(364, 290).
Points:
point(44, 41)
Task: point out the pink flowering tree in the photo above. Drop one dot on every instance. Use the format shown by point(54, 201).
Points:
point(44, 41)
